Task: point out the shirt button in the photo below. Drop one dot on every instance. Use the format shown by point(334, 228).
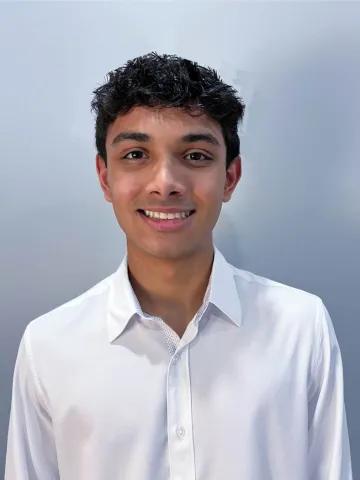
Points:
point(176, 359)
point(180, 432)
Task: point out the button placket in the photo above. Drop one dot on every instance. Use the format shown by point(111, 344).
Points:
point(180, 438)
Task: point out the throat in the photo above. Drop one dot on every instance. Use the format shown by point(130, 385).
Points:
point(171, 290)
point(177, 321)
point(175, 306)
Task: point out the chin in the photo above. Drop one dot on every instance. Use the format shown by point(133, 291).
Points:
point(170, 252)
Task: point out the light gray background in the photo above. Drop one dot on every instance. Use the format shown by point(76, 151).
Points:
point(296, 214)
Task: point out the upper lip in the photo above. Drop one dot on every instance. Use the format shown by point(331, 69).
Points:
point(167, 209)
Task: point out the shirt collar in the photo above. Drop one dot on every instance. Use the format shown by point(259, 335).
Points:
point(224, 294)
point(123, 304)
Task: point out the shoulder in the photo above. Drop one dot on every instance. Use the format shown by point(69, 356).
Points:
point(284, 316)
point(64, 322)
point(277, 303)
point(273, 289)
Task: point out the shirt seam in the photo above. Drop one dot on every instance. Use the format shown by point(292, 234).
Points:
point(267, 282)
point(95, 291)
point(30, 355)
point(319, 334)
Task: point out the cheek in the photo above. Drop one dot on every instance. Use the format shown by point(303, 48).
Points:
point(123, 199)
point(123, 203)
point(123, 190)
point(212, 188)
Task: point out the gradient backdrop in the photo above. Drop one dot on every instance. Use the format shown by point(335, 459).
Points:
point(296, 214)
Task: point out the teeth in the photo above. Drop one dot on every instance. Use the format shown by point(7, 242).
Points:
point(166, 216)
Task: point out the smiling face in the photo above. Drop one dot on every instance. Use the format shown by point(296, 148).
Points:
point(166, 179)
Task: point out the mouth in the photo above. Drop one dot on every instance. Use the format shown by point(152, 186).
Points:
point(167, 221)
point(166, 215)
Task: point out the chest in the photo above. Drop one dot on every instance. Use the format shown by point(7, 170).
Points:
point(122, 393)
point(218, 402)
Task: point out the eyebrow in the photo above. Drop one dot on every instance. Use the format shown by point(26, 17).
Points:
point(144, 137)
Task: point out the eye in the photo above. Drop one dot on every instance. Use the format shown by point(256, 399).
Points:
point(198, 156)
point(134, 155)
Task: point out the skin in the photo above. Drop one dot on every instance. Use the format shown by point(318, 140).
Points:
point(169, 270)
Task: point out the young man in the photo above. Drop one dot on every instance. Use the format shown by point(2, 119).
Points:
point(178, 366)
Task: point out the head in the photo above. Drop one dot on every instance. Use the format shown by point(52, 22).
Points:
point(168, 151)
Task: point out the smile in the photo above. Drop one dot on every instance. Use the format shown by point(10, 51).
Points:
point(166, 216)
point(167, 221)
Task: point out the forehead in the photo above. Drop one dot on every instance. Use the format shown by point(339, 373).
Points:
point(163, 123)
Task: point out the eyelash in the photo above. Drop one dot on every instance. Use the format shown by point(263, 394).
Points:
point(206, 157)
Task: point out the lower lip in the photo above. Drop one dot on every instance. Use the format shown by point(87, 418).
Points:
point(170, 225)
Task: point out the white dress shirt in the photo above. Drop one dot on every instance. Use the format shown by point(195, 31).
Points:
point(252, 391)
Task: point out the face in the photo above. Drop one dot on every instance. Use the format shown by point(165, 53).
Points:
point(166, 179)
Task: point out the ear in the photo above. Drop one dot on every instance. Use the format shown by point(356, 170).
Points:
point(233, 175)
point(102, 171)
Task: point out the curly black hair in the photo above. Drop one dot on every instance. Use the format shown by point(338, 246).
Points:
point(159, 81)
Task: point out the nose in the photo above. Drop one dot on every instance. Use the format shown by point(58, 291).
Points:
point(167, 179)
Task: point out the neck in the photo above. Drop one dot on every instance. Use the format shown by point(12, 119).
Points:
point(172, 289)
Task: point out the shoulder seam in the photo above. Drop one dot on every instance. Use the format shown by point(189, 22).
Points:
point(30, 355)
point(319, 332)
point(269, 283)
point(92, 292)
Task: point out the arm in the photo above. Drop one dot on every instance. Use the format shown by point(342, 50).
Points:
point(31, 453)
point(329, 450)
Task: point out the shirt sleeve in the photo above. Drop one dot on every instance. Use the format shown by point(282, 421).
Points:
point(31, 453)
point(329, 450)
